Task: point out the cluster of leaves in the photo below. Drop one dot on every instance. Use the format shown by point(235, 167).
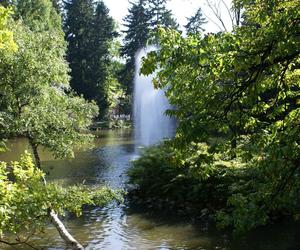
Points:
point(244, 87)
point(7, 45)
point(6, 36)
point(25, 199)
point(34, 85)
point(36, 14)
point(117, 99)
point(190, 178)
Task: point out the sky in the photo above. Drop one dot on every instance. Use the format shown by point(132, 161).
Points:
point(181, 10)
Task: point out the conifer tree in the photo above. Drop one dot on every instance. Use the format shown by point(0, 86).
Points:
point(78, 23)
point(160, 15)
point(89, 31)
point(195, 23)
point(142, 22)
point(103, 33)
point(137, 23)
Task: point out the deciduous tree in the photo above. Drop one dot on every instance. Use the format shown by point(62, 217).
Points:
point(242, 86)
point(36, 103)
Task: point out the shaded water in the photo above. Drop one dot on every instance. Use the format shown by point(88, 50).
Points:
point(120, 227)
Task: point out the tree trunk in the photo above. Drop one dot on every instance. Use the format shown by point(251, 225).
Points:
point(35, 153)
point(63, 232)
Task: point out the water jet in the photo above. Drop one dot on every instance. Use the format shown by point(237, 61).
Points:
point(150, 104)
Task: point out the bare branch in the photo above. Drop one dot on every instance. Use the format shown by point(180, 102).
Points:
point(210, 19)
point(229, 12)
point(18, 242)
point(215, 11)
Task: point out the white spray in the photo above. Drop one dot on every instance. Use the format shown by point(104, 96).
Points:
point(151, 123)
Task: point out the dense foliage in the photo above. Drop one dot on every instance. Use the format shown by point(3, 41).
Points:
point(241, 87)
point(33, 84)
point(7, 43)
point(26, 201)
point(90, 33)
point(189, 180)
point(37, 103)
point(37, 14)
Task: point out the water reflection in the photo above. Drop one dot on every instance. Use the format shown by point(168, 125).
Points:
point(119, 227)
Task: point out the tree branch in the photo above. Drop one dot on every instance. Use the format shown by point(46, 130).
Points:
point(215, 10)
point(63, 232)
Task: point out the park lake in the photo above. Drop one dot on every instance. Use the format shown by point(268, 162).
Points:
point(121, 226)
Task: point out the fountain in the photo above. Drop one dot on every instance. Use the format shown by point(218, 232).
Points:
point(151, 123)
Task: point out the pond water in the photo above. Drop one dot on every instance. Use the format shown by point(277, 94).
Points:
point(120, 227)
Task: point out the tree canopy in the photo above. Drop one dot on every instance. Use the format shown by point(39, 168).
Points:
point(36, 14)
point(90, 31)
point(7, 43)
point(241, 86)
point(37, 103)
point(34, 80)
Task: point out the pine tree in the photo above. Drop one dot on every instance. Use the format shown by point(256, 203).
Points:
point(194, 24)
point(144, 17)
point(137, 23)
point(160, 15)
point(103, 33)
point(89, 31)
point(78, 23)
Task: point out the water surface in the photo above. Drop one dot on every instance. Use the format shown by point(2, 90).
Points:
point(120, 227)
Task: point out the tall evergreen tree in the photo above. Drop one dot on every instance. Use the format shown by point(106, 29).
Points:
point(137, 23)
point(144, 17)
point(78, 23)
point(160, 15)
point(103, 33)
point(89, 31)
point(195, 23)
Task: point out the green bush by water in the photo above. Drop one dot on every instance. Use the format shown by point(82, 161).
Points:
point(238, 195)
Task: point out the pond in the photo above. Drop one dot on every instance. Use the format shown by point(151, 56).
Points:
point(121, 227)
